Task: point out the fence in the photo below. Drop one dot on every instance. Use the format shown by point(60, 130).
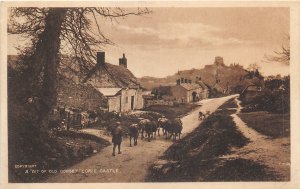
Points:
point(158, 102)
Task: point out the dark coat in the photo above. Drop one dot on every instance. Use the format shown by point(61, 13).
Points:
point(117, 135)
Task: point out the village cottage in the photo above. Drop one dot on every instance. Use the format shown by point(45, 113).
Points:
point(185, 91)
point(117, 84)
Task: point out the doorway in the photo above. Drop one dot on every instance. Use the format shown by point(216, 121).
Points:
point(132, 102)
point(194, 94)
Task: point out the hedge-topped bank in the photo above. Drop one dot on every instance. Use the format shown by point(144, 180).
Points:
point(198, 156)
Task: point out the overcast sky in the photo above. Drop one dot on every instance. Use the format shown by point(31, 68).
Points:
point(172, 39)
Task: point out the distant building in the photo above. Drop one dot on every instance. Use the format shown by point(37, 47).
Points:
point(204, 93)
point(185, 91)
point(117, 84)
point(219, 61)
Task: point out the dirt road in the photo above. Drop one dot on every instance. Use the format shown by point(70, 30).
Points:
point(274, 153)
point(132, 164)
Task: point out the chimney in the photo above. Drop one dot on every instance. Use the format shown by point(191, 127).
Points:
point(123, 61)
point(178, 81)
point(100, 58)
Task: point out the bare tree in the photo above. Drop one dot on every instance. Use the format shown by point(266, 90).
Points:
point(282, 56)
point(48, 28)
point(253, 67)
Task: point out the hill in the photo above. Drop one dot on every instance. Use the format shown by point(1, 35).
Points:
point(217, 75)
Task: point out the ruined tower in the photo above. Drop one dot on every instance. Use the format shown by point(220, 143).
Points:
point(219, 61)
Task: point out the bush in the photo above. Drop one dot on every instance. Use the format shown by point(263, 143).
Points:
point(271, 101)
point(275, 98)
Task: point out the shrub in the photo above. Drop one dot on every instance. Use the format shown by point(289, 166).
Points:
point(271, 101)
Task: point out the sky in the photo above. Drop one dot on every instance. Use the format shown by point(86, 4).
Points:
point(173, 39)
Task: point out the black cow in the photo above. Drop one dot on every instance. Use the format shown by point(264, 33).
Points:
point(147, 126)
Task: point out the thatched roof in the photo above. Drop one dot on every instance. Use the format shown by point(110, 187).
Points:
point(120, 76)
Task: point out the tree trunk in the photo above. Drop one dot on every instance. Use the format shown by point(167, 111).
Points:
point(44, 66)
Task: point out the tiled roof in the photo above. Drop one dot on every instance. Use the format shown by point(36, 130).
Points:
point(190, 86)
point(202, 84)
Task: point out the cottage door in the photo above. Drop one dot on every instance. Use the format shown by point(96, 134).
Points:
point(194, 94)
point(132, 102)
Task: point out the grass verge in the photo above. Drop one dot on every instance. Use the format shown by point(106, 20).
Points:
point(198, 156)
point(229, 104)
point(270, 124)
point(61, 150)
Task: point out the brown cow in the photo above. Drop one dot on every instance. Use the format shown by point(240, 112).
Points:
point(133, 133)
point(162, 123)
point(117, 138)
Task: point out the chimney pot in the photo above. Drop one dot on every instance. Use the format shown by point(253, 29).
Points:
point(123, 61)
point(100, 58)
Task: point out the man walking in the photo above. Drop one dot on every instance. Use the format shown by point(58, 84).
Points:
point(117, 138)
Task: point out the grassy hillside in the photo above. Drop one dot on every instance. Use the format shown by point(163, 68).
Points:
point(230, 76)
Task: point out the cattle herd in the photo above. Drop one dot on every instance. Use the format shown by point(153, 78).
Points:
point(170, 128)
point(149, 129)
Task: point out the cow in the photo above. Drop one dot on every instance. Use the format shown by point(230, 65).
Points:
point(154, 128)
point(168, 128)
point(173, 128)
point(117, 138)
point(176, 128)
point(162, 122)
point(146, 126)
point(201, 115)
point(133, 133)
